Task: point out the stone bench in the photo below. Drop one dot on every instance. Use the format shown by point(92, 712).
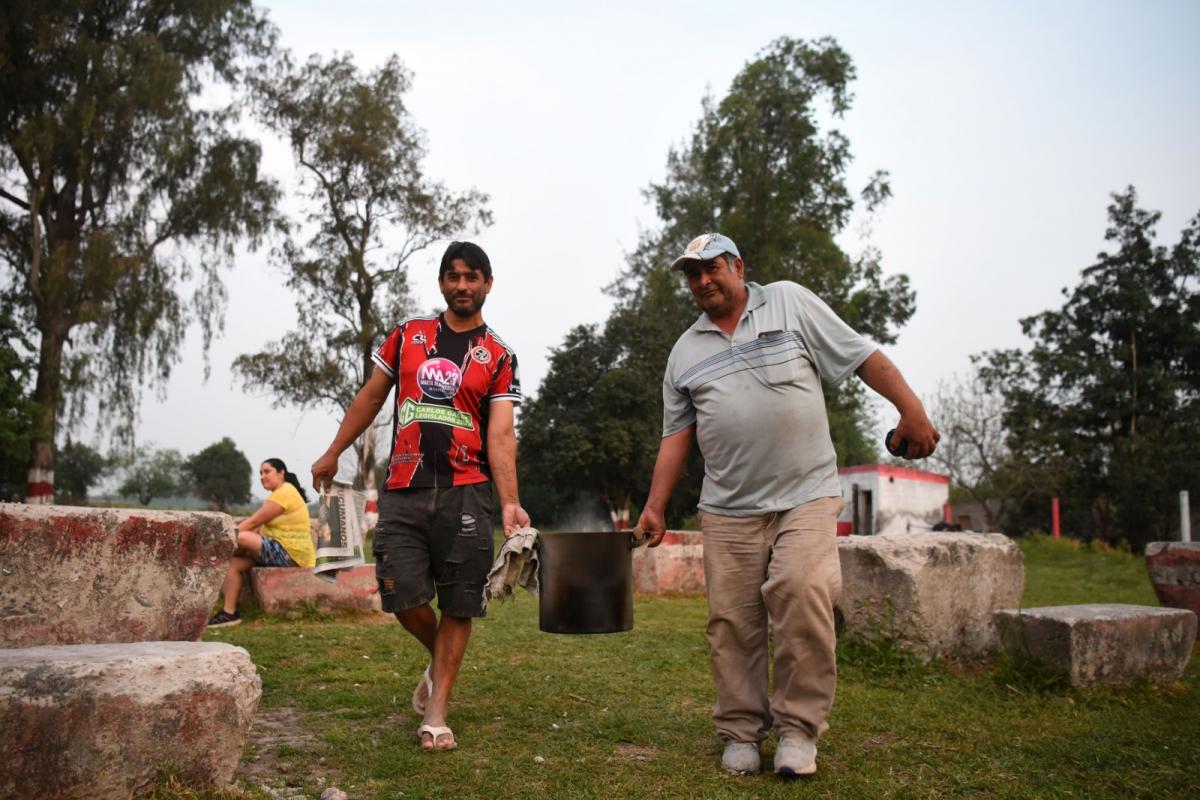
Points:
point(293, 590)
point(85, 576)
point(102, 721)
point(675, 566)
point(936, 593)
point(1102, 644)
point(1174, 569)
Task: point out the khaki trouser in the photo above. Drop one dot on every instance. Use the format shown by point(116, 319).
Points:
point(781, 567)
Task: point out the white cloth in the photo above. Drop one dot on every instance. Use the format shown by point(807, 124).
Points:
point(515, 565)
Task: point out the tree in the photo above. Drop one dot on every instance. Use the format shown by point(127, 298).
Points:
point(359, 153)
point(1104, 409)
point(151, 473)
point(117, 189)
point(759, 169)
point(220, 474)
point(585, 429)
point(16, 403)
point(970, 417)
point(79, 469)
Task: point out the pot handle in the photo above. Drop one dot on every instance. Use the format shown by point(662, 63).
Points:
point(637, 537)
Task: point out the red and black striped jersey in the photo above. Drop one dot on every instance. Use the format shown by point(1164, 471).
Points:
point(445, 383)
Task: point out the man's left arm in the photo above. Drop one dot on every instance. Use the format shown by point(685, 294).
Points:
point(881, 375)
point(502, 455)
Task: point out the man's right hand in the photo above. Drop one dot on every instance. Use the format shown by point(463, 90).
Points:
point(653, 525)
point(323, 470)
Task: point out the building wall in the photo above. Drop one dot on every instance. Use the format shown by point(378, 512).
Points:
point(900, 500)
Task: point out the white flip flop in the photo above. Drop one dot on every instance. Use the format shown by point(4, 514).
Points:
point(423, 692)
point(435, 731)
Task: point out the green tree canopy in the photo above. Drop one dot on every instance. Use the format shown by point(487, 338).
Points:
point(220, 474)
point(118, 189)
point(80, 467)
point(16, 403)
point(759, 168)
point(151, 473)
point(586, 432)
point(371, 208)
point(1104, 409)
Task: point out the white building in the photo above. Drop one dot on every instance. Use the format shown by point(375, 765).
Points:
point(881, 498)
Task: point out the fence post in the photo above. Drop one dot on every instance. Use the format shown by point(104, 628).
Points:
point(1185, 518)
point(1055, 528)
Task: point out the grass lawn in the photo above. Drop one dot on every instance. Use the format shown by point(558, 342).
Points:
point(627, 715)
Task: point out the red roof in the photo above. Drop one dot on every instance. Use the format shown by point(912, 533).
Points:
point(892, 471)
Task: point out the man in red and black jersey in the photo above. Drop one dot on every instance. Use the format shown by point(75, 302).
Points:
point(456, 387)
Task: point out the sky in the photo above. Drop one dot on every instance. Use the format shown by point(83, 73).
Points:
point(1005, 127)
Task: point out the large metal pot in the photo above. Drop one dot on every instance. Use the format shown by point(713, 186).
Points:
point(586, 581)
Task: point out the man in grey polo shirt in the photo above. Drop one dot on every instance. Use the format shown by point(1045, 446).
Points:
point(745, 381)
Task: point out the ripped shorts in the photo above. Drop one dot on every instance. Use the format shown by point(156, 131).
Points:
point(434, 540)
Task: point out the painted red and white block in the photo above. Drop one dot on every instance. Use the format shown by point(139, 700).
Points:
point(104, 721)
point(676, 566)
point(83, 576)
point(1174, 569)
point(292, 590)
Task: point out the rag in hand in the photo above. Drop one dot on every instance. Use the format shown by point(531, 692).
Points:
point(515, 565)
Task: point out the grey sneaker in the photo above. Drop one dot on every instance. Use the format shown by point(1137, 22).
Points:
point(741, 758)
point(795, 755)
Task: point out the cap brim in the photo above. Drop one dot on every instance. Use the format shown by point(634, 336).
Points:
point(703, 255)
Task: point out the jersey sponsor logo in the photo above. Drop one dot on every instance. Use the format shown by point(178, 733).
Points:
point(411, 412)
point(439, 378)
point(481, 354)
point(418, 338)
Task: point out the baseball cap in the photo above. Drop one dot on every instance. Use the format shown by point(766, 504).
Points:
point(706, 247)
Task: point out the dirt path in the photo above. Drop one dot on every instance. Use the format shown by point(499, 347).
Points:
point(275, 734)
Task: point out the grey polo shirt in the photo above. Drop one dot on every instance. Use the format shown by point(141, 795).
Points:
point(756, 399)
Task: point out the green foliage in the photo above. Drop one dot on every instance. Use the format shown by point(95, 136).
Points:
point(151, 473)
point(117, 189)
point(16, 403)
point(1104, 409)
point(360, 152)
point(79, 468)
point(586, 430)
point(220, 474)
point(760, 169)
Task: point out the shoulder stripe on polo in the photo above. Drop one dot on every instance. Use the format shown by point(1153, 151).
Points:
point(743, 351)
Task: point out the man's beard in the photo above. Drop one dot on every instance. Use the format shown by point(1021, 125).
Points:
point(465, 310)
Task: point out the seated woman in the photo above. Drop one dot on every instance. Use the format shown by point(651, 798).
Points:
point(278, 535)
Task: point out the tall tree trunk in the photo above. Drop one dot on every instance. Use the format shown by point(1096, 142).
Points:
point(47, 396)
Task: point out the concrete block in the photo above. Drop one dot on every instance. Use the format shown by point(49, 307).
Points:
point(86, 575)
point(1103, 644)
point(102, 721)
point(675, 566)
point(934, 592)
point(1174, 569)
point(291, 590)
